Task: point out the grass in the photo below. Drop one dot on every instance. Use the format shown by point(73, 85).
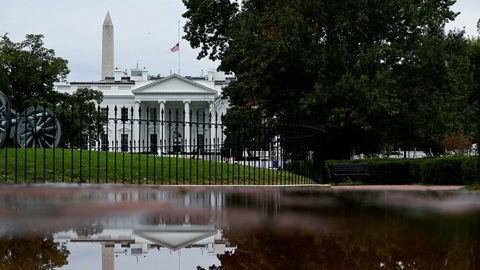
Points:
point(67, 165)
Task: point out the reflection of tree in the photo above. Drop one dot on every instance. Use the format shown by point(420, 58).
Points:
point(88, 229)
point(32, 253)
point(213, 267)
point(376, 248)
point(34, 250)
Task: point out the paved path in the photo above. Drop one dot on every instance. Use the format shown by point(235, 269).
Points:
point(59, 187)
point(398, 187)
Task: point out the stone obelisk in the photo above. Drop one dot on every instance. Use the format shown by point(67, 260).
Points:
point(107, 48)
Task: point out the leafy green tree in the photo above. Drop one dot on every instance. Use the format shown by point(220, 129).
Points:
point(375, 72)
point(244, 132)
point(80, 118)
point(474, 99)
point(28, 71)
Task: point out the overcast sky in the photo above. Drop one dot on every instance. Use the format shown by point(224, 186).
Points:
point(144, 32)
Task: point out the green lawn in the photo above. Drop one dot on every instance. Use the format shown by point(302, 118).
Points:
point(65, 165)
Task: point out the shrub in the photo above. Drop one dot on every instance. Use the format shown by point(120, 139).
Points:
point(390, 172)
point(442, 171)
point(470, 171)
point(438, 171)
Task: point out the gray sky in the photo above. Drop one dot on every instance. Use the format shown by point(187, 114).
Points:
point(144, 31)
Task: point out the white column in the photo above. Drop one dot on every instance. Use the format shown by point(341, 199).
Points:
point(187, 125)
point(212, 126)
point(143, 141)
point(136, 126)
point(161, 117)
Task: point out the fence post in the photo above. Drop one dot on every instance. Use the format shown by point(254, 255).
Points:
point(147, 134)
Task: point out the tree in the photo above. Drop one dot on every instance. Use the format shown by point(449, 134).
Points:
point(28, 71)
point(352, 244)
point(457, 142)
point(80, 118)
point(375, 72)
point(244, 132)
point(32, 253)
point(474, 99)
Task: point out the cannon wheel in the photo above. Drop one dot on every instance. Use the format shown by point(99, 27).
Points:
point(38, 128)
point(4, 119)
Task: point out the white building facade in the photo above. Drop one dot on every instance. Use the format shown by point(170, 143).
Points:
point(172, 113)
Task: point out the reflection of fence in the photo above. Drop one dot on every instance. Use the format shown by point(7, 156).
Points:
point(161, 148)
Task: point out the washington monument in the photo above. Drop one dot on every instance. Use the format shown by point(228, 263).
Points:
point(107, 48)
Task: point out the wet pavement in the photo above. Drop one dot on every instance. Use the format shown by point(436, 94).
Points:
point(133, 227)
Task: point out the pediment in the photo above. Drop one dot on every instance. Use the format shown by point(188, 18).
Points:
point(174, 84)
point(175, 239)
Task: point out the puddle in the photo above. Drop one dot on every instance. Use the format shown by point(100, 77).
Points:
point(109, 228)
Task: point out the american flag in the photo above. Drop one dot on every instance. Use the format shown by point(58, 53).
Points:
point(175, 48)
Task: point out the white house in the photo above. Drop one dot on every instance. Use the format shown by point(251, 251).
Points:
point(178, 106)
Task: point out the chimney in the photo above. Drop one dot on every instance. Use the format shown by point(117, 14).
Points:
point(210, 74)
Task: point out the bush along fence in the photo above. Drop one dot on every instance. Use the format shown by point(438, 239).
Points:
point(149, 146)
point(454, 170)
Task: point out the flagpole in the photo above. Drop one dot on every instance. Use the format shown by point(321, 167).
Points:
point(179, 69)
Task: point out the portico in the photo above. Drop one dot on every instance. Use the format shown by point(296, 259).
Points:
point(173, 114)
point(172, 124)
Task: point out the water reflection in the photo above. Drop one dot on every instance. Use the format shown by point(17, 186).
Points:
point(133, 240)
point(33, 252)
point(222, 228)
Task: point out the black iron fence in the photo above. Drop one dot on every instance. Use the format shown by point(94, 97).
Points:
point(128, 145)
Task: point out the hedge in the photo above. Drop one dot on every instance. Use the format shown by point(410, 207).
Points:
point(455, 170)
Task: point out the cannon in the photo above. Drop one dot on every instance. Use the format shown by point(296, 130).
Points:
point(35, 127)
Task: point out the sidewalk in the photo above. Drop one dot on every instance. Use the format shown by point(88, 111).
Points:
point(399, 187)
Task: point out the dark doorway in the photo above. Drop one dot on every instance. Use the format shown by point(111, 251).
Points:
point(104, 142)
point(153, 144)
point(200, 143)
point(177, 142)
point(124, 142)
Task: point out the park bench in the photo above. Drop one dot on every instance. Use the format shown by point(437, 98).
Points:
point(350, 170)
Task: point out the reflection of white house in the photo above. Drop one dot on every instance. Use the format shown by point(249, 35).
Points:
point(157, 235)
point(180, 98)
point(139, 240)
